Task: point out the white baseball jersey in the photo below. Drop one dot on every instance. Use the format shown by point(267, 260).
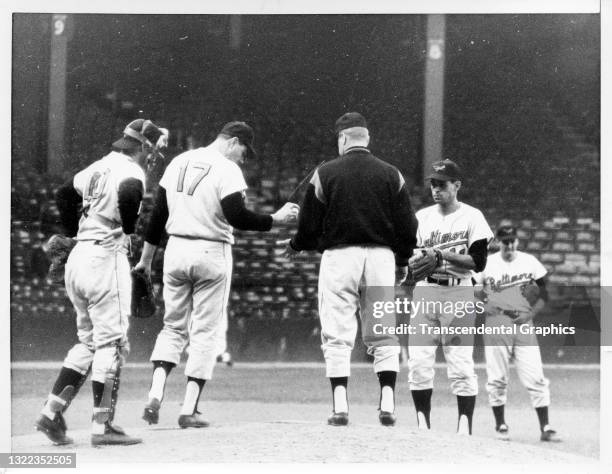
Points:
point(195, 182)
point(502, 280)
point(98, 184)
point(455, 232)
point(98, 280)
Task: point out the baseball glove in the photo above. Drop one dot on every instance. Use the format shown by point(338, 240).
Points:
point(57, 249)
point(423, 264)
point(143, 299)
point(531, 292)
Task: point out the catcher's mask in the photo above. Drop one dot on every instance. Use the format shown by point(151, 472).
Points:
point(145, 133)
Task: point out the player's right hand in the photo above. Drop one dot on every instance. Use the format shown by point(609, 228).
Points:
point(287, 213)
point(143, 267)
point(287, 250)
point(524, 317)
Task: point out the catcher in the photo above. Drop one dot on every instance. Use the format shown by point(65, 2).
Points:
point(99, 206)
point(515, 291)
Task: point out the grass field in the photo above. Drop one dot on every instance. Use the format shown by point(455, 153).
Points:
point(278, 412)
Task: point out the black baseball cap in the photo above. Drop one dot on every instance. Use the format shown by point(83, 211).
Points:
point(445, 170)
point(243, 132)
point(350, 120)
point(138, 132)
point(506, 232)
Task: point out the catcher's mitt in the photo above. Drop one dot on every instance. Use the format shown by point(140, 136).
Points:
point(57, 249)
point(531, 292)
point(423, 264)
point(143, 299)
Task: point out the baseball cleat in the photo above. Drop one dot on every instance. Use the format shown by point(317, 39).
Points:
point(502, 432)
point(338, 419)
point(113, 435)
point(192, 421)
point(549, 435)
point(387, 418)
point(53, 429)
point(61, 421)
point(151, 411)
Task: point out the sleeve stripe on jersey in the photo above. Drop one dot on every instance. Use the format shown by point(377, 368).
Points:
point(316, 182)
point(401, 181)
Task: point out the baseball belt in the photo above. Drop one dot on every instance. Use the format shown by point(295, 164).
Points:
point(444, 281)
point(513, 314)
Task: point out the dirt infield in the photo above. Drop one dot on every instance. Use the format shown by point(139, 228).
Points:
point(299, 441)
point(278, 415)
point(261, 432)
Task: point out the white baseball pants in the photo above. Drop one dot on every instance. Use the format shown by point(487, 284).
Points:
point(197, 277)
point(345, 275)
point(526, 352)
point(99, 285)
point(458, 350)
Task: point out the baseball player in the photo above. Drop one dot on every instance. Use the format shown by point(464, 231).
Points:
point(357, 213)
point(199, 201)
point(503, 281)
point(459, 233)
point(98, 280)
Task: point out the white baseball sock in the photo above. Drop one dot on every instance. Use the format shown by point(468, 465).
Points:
point(52, 402)
point(96, 426)
point(463, 427)
point(192, 392)
point(386, 399)
point(158, 383)
point(340, 400)
point(422, 421)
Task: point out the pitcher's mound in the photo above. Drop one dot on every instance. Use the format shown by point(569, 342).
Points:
point(298, 441)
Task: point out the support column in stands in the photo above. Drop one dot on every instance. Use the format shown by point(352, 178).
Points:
point(433, 116)
point(57, 94)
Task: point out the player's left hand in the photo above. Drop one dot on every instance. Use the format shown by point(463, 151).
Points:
point(401, 273)
point(424, 262)
point(287, 250)
point(524, 317)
